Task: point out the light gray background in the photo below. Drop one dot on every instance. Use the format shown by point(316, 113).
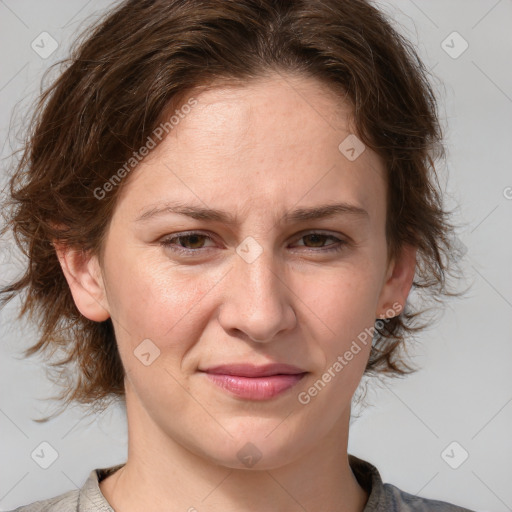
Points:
point(464, 391)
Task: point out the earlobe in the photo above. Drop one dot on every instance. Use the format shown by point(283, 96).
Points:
point(83, 274)
point(398, 283)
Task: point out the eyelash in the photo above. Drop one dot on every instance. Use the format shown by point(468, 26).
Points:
point(168, 242)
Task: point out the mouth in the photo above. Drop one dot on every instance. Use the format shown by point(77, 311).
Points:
point(250, 370)
point(251, 382)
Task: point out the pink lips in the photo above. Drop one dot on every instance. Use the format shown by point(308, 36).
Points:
point(255, 382)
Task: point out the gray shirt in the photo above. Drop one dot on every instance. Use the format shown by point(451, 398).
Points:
point(381, 497)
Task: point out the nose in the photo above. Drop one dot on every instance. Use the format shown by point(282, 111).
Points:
point(257, 301)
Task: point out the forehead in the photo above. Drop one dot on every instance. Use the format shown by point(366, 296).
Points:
point(271, 142)
point(289, 113)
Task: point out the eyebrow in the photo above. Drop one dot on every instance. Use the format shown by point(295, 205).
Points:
point(295, 216)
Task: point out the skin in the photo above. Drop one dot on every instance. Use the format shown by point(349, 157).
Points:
point(256, 151)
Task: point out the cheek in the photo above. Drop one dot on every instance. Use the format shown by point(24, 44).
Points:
point(344, 303)
point(343, 300)
point(149, 301)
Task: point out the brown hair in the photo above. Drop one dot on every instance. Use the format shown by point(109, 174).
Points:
point(139, 62)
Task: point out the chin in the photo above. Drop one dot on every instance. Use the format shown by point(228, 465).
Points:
point(253, 449)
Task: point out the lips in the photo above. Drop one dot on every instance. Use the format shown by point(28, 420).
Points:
point(249, 370)
point(250, 382)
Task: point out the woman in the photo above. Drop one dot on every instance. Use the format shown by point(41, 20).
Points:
point(225, 206)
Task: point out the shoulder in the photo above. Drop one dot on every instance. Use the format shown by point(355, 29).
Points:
point(401, 501)
point(387, 497)
point(87, 499)
point(67, 502)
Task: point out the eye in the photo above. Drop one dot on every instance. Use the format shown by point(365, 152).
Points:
point(317, 240)
point(186, 242)
point(193, 243)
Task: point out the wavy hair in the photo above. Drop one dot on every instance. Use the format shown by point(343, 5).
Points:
point(137, 63)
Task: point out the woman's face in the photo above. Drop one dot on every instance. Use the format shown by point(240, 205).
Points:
point(258, 271)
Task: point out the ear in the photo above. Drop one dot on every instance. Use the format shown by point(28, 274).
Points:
point(398, 283)
point(85, 281)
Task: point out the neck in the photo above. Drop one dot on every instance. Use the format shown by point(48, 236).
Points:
point(164, 472)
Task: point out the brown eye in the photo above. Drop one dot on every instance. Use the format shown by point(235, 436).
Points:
point(192, 241)
point(186, 242)
point(316, 239)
